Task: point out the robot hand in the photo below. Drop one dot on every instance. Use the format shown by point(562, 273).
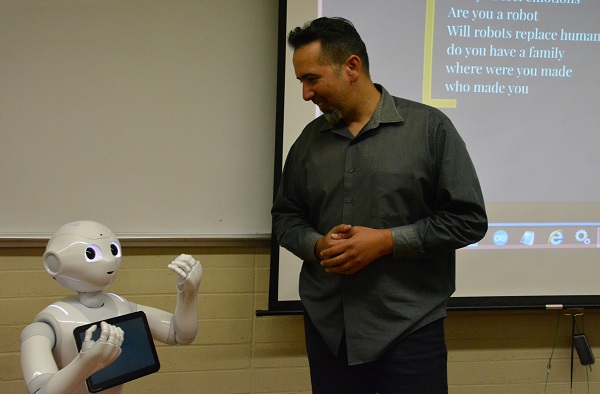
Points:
point(106, 349)
point(190, 274)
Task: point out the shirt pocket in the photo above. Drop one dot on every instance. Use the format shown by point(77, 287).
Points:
point(398, 198)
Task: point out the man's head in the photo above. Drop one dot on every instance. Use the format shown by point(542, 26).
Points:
point(329, 58)
point(339, 40)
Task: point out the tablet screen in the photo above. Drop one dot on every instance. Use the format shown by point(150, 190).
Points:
point(138, 357)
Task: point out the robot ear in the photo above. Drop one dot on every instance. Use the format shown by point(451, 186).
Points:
point(51, 264)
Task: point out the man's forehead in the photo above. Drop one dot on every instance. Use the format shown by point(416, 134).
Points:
point(307, 60)
point(310, 51)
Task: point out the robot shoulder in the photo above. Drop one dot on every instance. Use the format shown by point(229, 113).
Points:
point(36, 329)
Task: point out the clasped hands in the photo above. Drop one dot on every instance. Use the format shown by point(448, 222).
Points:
point(347, 249)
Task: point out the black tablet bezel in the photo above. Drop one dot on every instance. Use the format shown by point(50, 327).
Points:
point(93, 384)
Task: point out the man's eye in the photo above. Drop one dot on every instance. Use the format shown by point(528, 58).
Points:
point(309, 81)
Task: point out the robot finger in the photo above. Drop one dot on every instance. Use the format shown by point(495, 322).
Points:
point(179, 270)
point(105, 331)
point(89, 332)
point(115, 335)
point(187, 259)
point(120, 336)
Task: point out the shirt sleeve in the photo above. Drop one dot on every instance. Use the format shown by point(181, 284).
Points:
point(291, 224)
point(456, 214)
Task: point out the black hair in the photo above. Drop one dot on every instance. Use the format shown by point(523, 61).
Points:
point(339, 39)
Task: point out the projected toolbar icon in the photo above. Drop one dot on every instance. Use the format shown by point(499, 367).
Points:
point(500, 238)
point(556, 238)
point(581, 236)
point(528, 238)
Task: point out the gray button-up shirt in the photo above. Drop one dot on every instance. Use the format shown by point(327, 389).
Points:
point(407, 170)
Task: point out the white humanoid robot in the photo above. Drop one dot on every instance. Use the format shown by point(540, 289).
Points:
point(85, 257)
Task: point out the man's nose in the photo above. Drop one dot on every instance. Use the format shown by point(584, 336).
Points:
point(307, 93)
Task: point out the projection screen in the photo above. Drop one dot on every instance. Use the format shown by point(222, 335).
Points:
point(519, 80)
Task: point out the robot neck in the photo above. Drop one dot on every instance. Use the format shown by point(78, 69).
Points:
point(92, 300)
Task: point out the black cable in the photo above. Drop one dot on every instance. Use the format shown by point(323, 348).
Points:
point(549, 365)
point(572, 346)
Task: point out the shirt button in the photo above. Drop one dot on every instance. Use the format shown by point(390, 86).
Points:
point(349, 200)
point(351, 170)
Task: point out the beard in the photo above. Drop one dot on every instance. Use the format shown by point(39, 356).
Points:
point(333, 117)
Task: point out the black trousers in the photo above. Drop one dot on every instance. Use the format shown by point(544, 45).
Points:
point(418, 364)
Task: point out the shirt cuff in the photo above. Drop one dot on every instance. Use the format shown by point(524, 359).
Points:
point(310, 240)
point(406, 241)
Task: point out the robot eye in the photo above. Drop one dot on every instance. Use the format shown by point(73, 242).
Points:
point(115, 249)
point(93, 253)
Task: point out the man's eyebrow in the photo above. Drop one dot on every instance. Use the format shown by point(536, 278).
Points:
point(305, 76)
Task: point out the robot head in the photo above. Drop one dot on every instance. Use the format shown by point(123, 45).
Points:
point(83, 256)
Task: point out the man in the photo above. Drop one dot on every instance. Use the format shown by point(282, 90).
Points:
point(375, 197)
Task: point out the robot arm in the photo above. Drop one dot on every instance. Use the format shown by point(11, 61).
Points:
point(185, 319)
point(181, 327)
point(37, 362)
point(40, 370)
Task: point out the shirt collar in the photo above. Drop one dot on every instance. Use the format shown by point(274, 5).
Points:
point(386, 112)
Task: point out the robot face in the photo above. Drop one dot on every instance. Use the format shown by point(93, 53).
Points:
point(83, 256)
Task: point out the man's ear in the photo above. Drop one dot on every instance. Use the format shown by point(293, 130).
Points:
point(353, 66)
